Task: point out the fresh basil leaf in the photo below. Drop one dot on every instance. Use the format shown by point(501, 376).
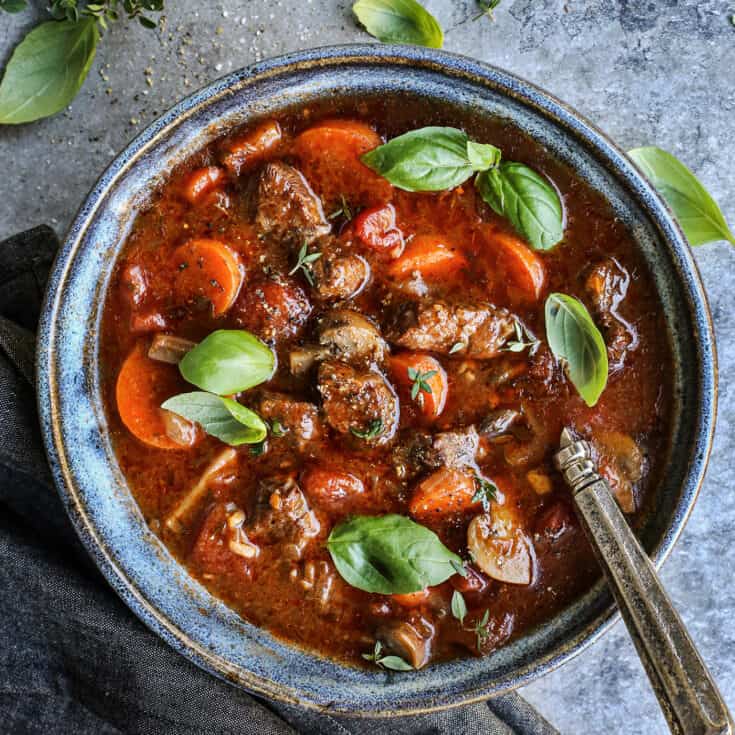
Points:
point(13, 6)
point(532, 205)
point(695, 210)
point(459, 606)
point(575, 340)
point(228, 361)
point(395, 663)
point(399, 21)
point(389, 554)
point(427, 159)
point(482, 156)
point(47, 69)
point(221, 417)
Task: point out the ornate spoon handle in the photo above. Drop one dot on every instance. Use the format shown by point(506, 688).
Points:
point(686, 692)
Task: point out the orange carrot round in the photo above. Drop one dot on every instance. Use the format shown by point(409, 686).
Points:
point(412, 599)
point(142, 386)
point(522, 266)
point(429, 255)
point(207, 269)
point(330, 152)
point(201, 181)
point(409, 368)
point(444, 492)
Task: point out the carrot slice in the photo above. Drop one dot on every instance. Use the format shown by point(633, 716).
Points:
point(429, 255)
point(331, 489)
point(520, 264)
point(412, 599)
point(207, 269)
point(444, 492)
point(142, 386)
point(330, 152)
point(201, 181)
point(246, 151)
point(402, 367)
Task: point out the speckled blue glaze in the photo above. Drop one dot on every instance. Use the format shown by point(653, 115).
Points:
point(94, 491)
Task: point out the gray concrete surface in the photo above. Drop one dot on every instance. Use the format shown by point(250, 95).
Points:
point(646, 72)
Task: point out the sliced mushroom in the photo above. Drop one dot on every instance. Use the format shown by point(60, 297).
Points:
point(501, 549)
point(412, 641)
point(622, 463)
point(170, 349)
point(351, 337)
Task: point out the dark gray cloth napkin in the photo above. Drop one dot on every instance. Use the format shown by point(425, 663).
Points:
point(73, 658)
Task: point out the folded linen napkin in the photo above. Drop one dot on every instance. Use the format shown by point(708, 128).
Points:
point(74, 658)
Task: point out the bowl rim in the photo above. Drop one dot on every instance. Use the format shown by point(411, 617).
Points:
point(452, 65)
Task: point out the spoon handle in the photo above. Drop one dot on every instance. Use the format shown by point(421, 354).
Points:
point(685, 690)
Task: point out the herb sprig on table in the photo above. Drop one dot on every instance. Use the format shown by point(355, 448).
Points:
point(49, 66)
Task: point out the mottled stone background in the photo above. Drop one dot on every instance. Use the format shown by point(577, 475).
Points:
point(646, 72)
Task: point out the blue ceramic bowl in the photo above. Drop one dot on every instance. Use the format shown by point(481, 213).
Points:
point(95, 492)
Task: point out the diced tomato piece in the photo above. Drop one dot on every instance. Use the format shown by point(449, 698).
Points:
point(273, 310)
point(377, 229)
point(201, 181)
point(330, 152)
point(402, 367)
point(245, 152)
point(442, 493)
point(142, 386)
point(207, 269)
point(412, 599)
point(519, 264)
point(429, 255)
point(331, 489)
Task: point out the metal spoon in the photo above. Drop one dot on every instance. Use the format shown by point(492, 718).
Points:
point(685, 690)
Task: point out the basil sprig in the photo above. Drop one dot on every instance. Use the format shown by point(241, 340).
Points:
point(399, 21)
point(695, 210)
point(228, 361)
point(517, 192)
point(430, 159)
point(576, 341)
point(223, 418)
point(389, 554)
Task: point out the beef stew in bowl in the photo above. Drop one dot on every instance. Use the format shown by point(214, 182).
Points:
point(335, 395)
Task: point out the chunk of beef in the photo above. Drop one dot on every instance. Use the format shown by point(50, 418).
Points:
point(338, 274)
point(455, 449)
point(412, 454)
point(499, 424)
point(287, 208)
point(477, 331)
point(358, 401)
point(299, 421)
point(282, 514)
point(273, 308)
point(606, 286)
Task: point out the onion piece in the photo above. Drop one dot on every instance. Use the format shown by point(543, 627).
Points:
point(170, 349)
point(180, 430)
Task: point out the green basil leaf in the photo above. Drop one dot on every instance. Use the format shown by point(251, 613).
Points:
point(532, 205)
point(399, 21)
point(389, 554)
point(47, 69)
point(427, 159)
point(228, 361)
point(13, 6)
point(695, 210)
point(396, 663)
point(459, 606)
point(482, 156)
point(221, 417)
point(574, 339)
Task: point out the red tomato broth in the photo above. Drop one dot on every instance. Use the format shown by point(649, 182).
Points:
point(267, 592)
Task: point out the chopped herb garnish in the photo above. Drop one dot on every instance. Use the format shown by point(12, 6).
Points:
point(456, 347)
point(395, 663)
point(480, 630)
point(487, 7)
point(485, 492)
point(418, 381)
point(525, 339)
point(373, 429)
point(258, 449)
point(459, 606)
point(459, 568)
point(345, 210)
point(304, 262)
point(277, 428)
